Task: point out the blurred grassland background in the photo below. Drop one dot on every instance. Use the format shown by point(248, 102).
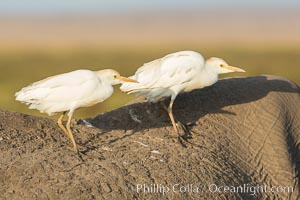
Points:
point(37, 45)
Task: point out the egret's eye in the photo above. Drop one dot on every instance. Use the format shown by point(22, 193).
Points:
point(221, 65)
point(115, 76)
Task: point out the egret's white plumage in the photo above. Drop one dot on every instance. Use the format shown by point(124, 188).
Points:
point(175, 73)
point(69, 91)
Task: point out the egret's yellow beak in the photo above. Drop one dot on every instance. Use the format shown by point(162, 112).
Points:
point(234, 69)
point(121, 78)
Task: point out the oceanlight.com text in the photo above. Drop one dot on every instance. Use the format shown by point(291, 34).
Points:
point(211, 188)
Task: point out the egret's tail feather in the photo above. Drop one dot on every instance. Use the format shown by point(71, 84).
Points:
point(31, 95)
point(131, 88)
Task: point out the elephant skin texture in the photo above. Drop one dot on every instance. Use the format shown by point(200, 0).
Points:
point(242, 143)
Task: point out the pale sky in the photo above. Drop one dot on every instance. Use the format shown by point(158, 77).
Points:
point(106, 6)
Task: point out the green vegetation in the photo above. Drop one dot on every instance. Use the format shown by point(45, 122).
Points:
point(19, 68)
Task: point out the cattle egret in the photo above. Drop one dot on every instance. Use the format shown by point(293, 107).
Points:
point(176, 73)
point(70, 91)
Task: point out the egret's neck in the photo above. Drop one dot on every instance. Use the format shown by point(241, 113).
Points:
point(203, 78)
point(211, 75)
point(210, 68)
point(106, 79)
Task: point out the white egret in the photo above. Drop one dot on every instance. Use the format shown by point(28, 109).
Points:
point(70, 91)
point(176, 73)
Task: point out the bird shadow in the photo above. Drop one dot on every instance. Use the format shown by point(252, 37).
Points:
point(189, 107)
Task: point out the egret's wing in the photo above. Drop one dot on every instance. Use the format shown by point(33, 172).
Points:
point(150, 66)
point(173, 69)
point(177, 69)
point(67, 79)
point(62, 84)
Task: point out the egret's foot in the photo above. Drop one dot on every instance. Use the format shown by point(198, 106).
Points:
point(181, 141)
point(187, 134)
point(79, 154)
